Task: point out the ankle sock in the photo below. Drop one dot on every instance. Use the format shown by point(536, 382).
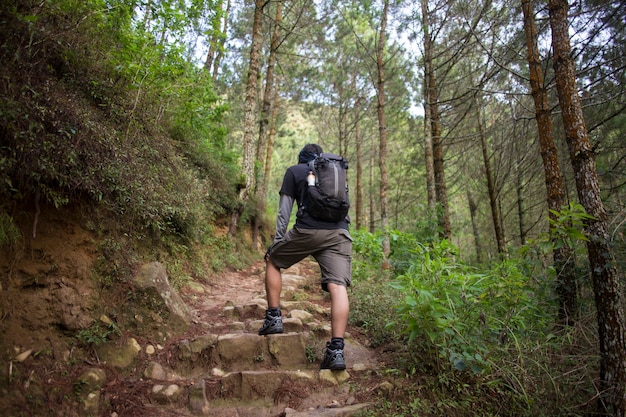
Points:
point(336, 343)
point(273, 311)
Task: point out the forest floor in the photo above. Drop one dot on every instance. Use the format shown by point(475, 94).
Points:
point(44, 288)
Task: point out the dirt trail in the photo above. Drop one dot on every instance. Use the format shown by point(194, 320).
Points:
point(43, 308)
point(240, 287)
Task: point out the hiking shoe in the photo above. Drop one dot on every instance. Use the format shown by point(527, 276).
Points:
point(333, 359)
point(271, 325)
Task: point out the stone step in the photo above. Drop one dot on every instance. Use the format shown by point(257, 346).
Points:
point(253, 385)
point(256, 309)
point(231, 371)
point(247, 351)
point(266, 390)
point(243, 351)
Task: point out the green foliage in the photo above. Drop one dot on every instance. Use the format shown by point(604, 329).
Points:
point(97, 333)
point(495, 322)
point(462, 311)
point(367, 248)
point(9, 232)
point(114, 115)
point(568, 225)
point(567, 228)
point(371, 299)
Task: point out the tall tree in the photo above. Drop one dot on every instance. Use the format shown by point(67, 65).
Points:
point(359, 168)
point(219, 42)
point(428, 142)
point(382, 128)
point(249, 123)
point(605, 278)
point(215, 34)
point(563, 263)
point(264, 124)
point(496, 214)
point(435, 128)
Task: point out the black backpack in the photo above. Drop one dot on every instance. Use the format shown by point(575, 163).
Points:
point(328, 199)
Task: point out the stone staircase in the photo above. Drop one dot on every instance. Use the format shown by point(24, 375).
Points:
point(227, 370)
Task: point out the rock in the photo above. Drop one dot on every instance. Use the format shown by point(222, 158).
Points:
point(237, 327)
point(88, 389)
point(334, 377)
point(288, 349)
point(253, 385)
point(359, 367)
point(293, 280)
point(307, 306)
point(255, 308)
point(260, 301)
point(384, 388)
point(196, 287)
point(198, 402)
point(238, 351)
point(119, 354)
point(303, 316)
point(92, 378)
point(229, 311)
point(91, 403)
point(321, 330)
point(347, 411)
point(152, 280)
point(333, 404)
point(156, 371)
point(167, 394)
point(202, 343)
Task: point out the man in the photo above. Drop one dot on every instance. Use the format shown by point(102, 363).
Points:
point(328, 242)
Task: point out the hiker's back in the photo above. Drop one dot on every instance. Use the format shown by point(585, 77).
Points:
point(327, 198)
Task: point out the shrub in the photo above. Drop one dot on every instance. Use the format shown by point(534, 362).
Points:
point(465, 312)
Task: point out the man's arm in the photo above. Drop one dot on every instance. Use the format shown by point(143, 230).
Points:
point(285, 206)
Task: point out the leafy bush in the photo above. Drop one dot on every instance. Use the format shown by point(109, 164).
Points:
point(462, 311)
point(9, 232)
point(371, 298)
point(107, 112)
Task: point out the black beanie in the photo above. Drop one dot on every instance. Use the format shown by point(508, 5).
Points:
point(309, 152)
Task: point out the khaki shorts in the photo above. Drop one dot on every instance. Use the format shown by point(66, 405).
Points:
point(332, 249)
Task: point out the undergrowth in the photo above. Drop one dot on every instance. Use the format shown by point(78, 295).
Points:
point(465, 341)
point(104, 112)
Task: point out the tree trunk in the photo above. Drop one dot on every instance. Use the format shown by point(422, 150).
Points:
point(563, 263)
point(473, 209)
point(519, 189)
point(266, 113)
point(219, 49)
point(249, 122)
point(214, 38)
point(604, 274)
point(359, 169)
point(270, 148)
point(441, 188)
point(372, 211)
point(428, 142)
point(496, 215)
point(380, 91)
